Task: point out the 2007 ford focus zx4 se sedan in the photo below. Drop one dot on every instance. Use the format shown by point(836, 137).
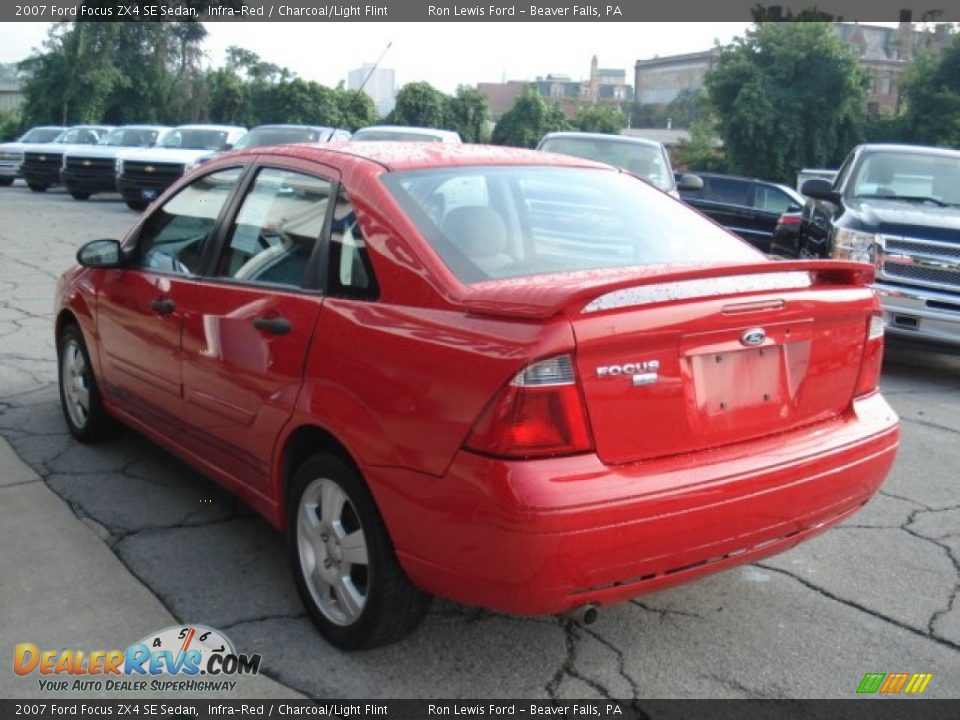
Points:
point(518, 380)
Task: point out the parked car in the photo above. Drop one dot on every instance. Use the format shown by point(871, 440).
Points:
point(747, 207)
point(267, 135)
point(647, 159)
point(436, 398)
point(11, 153)
point(42, 162)
point(405, 133)
point(786, 235)
point(92, 168)
point(898, 208)
point(143, 175)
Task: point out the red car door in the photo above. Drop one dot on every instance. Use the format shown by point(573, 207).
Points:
point(140, 307)
point(248, 328)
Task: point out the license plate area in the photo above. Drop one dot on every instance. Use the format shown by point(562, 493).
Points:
point(732, 381)
point(148, 194)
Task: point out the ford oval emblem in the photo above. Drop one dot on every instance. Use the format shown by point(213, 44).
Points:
point(753, 337)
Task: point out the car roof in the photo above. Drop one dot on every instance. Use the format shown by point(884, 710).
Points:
point(282, 126)
point(922, 149)
point(207, 126)
point(413, 155)
point(600, 136)
point(408, 129)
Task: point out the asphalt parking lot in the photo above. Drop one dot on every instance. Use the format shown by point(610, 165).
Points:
point(878, 594)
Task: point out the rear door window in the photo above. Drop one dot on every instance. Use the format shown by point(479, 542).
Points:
point(728, 191)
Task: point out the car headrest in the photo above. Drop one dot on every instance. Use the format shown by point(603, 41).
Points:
point(477, 231)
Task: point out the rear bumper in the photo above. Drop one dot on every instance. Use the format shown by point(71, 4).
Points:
point(79, 182)
point(545, 536)
point(920, 314)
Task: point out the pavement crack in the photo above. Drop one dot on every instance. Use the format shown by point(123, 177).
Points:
point(857, 606)
point(664, 613)
point(568, 668)
point(951, 556)
point(262, 618)
point(927, 423)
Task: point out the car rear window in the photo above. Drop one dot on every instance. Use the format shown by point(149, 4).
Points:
point(504, 222)
point(647, 161)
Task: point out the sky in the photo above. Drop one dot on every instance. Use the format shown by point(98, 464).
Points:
point(443, 54)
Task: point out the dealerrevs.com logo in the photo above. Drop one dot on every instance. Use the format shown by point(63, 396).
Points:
point(181, 658)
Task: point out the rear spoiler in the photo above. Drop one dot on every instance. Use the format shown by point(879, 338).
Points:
point(534, 298)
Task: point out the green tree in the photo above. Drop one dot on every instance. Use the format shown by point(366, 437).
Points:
point(688, 107)
point(931, 92)
point(600, 119)
point(9, 125)
point(787, 95)
point(420, 104)
point(527, 121)
point(116, 72)
point(468, 113)
point(356, 109)
point(701, 151)
point(72, 80)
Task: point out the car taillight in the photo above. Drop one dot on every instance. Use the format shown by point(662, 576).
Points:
point(539, 413)
point(872, 357)
point(789, 220)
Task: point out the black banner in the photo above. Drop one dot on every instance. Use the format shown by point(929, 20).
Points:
point(457, 11)
point(856, 709)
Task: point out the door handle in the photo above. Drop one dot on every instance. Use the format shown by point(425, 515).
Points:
point(275, 325)
point(164, 306)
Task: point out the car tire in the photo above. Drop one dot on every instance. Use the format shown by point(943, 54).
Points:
point(37, 187)
point(344, 564)
point(79, 195)
point(137, 205)
point(80, 399)
point(6, 182)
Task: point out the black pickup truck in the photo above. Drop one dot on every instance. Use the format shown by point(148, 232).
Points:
point(897, 207)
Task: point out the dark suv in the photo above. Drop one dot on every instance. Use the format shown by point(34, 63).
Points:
point(898, 207)
point(745, 206)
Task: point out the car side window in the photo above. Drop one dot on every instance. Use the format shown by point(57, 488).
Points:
point(350, 273)
point(275, 231)
point(730, 192)
point(772, 199)
point(844, 171)
point(174, 237)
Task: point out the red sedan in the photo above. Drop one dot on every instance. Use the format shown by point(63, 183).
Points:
point(517, 380)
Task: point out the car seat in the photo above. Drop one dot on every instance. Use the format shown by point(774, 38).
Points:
point(479, 233)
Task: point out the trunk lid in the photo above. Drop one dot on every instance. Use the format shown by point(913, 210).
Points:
point(678, 364)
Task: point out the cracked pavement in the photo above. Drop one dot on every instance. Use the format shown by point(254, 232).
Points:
point(878, 594)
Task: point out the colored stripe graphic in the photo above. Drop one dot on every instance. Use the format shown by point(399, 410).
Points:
point(893, 683)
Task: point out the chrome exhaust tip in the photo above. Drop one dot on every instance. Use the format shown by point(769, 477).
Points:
point(583, 614)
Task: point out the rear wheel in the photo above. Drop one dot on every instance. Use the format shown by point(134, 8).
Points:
point(6, 182)
point(80, 195)
point(344, 564)
point(137, 205)
point(83, 410)
point(37, 187)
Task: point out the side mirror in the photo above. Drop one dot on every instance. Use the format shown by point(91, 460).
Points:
point(690, 182)
point(226, 146)
point(819, 189)
point(793, 207)
point(100, 254)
